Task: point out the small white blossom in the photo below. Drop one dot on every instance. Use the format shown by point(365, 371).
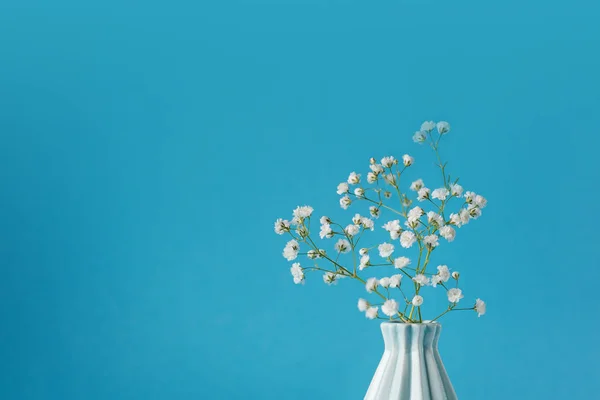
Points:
point(386, 250)
point(371, 284)
point(419, 137)
point(455, 220)
point(416, 185)
point(326, 231)
point(407, 239)
point(329, 278)
point(435, 279)
point(421, 279)
point(443, 127)
point(363, 305)
point(363, 251)
point(431, 240)
point(443, 273)
point(374, 211)
point(297, 273)
point(456, 190)
point(354, 178)
point(480, 201)
point(464, 216)
point(364, 262)
point(342, 188)
point(455, 275)
point(401, 262)
point(423, 194)
point(417, 301)
point(393, 227)
point(352, 230)
point(378, 168)
point(390, 307)
point(325, 220)
point(312, 254)
point(390, 179)
point(384, 282)
point(387, 162)
point(407, 160)
point(345, 202)
point(441, 193)
point(359, 192)
point(302, 212)
point(415, 213)
point(454, 295)
point(433, 217)
point(290, 251)
point(371, 177)
point(448, 233)
point(372, 312)
point(342, 246)
point(474, 211)
point(470, 196)
point(282, 226)
point(367, 223)
point(427, 126)
point(480, 307)
point(356, 219)
point(395, 280)
point(387, 195)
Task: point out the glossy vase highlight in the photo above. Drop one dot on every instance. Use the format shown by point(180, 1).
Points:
point(411, 367)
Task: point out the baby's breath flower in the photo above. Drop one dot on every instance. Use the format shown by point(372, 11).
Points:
point(371, 177)
point(419, 137)
point(443, 273)
point(326, 231)
point(302, 231)
point(342, 188)
point(421, 279)
point(435, 279)
point(329, 278)
point(342, 246)
point(470, 196)
point(387, 194)
point(480, 201)
point(372, 312)
point(474, 211)
point(297, 273)
point(448, 232)
point(431, 241)
point(416, 185)
point(364, 262)
point(435, 218)
point(390, 179)
point(363, 305)
point(464, 216)
point(302, 212)
point(345, 202)
point(386, 250)
point(390, 307)
point(363, 251)
point(427, 126)
point(371, 284)
point(456, 190)
point(312, 254)
point(356, 219)
point(423, 194)
point(401, 262)
point(417, 301)
point(374, 211)
point(378, 168)
point(443, 127)
point(354, 178)
point(454, 295)
point(384, 282)
point(455, 220)
point(282, 226)
point(407, 160)
point(393, 227)
point(387, 162)
point(352, 230)
point(441, 193)
point(455, 275)
point(480, 307)
point(325, 220)
point(367, 223)
point(359, 192)
point(415, 213)
point(407, 239)
point(395, 280)
point(290, 251)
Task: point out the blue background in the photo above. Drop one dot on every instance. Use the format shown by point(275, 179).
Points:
point(147, 148)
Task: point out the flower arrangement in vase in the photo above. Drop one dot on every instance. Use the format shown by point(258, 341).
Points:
point(422, 218)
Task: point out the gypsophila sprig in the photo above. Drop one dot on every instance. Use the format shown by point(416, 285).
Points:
point(410, 234)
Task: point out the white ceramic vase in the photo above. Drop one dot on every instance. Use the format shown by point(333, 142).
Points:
point(411, 367)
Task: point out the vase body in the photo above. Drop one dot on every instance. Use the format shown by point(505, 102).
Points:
point(411, 367)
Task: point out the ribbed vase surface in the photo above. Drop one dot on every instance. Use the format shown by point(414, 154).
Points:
point(411, 367)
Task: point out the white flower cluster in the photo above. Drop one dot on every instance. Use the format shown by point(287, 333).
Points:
point(417, 228)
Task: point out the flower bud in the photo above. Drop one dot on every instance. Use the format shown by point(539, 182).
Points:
point(372, 160)
point(387, 194)
point(455, 275)
point(363, 251)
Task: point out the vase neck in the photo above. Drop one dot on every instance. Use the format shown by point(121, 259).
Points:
point(410, 337)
